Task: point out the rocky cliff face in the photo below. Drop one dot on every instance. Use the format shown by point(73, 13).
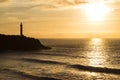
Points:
point(21, 43)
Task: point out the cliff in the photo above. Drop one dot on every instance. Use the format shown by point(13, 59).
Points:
point(19, 43)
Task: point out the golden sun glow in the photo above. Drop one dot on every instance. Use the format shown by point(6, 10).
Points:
point(96, 11)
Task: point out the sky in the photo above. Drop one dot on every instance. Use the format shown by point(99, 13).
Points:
point(61, 18)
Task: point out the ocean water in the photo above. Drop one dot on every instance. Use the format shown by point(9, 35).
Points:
point(69, 59)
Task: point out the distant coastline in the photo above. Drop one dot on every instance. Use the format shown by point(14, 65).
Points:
point(20, 43)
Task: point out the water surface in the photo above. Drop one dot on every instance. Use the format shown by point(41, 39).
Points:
point(69, 59)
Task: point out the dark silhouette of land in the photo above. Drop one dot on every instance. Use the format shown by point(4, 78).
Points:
point(19, 43)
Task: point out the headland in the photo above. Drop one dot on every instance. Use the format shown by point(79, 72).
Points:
point(20, 43)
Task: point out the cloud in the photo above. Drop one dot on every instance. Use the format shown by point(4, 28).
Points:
point(52, 4)
point(49, 4)
point(58, 4)
point(25, 7)
point(3, 0)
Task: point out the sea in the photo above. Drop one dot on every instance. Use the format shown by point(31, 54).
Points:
point(69, 59)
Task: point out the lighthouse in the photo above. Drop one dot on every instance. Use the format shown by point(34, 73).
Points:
point(21, 29)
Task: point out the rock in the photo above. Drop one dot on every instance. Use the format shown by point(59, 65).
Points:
point(20, 43)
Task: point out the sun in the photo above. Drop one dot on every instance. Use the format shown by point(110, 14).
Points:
point(96, 11)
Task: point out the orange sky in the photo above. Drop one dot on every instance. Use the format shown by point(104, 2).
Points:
point(61, 18)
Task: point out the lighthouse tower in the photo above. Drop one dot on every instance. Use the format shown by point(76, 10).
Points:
point(21, 29)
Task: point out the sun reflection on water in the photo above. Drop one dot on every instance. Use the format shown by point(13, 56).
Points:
point(96, 41)
point(96, 55)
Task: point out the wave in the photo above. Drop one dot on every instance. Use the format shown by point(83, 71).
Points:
point(43, 61)
point(59, 55)
point(26, 75)
point(76, 66)
point(96, 69)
